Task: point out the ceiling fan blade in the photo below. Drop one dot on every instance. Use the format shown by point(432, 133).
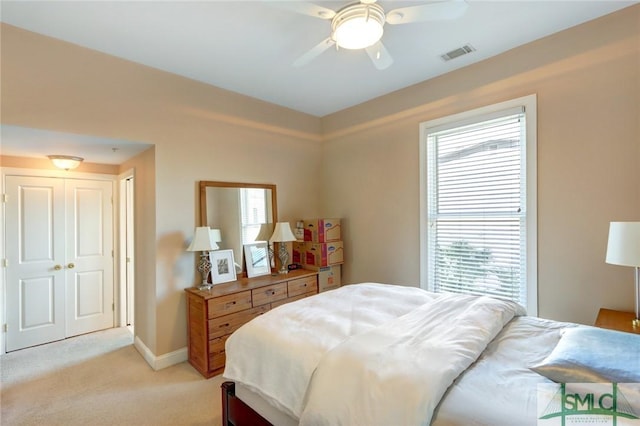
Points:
point(443, 10)
point(304, 8)
point(379, 56)
point(314, 52)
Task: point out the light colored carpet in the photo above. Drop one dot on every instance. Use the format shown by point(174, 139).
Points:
point(101, 379)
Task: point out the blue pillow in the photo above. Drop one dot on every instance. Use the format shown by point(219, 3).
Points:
point(593, 355)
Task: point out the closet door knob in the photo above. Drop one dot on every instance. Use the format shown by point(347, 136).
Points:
point(71, 266)
point(57, 267)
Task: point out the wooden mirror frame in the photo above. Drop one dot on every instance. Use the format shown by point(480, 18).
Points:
point(204, 184)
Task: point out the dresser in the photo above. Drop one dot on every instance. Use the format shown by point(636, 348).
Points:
point(212, 315)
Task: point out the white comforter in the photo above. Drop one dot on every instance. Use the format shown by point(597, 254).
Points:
point(396, 374)
point(364, 354)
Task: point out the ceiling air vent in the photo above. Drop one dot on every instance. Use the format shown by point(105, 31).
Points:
point(467, 48)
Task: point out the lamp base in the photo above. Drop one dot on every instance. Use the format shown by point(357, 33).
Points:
point(635, 323)
point(283, 254)
point(204, 267)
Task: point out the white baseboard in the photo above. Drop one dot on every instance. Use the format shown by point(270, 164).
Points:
point(162, 361)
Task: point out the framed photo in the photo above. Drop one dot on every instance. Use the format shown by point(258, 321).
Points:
point(257, 257)
point(223, 267)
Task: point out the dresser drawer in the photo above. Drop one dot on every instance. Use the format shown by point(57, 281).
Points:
point(272, 293)
point(216, 346)
point(217, 361)
point(217, 355)
point(227, 324)
point(302, 286)
point(229, 304)
point(290, 299)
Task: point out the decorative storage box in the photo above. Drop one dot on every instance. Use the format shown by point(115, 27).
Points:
point(322, 230)
point(323, 254)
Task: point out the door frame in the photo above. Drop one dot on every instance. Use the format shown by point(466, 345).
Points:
point(17, 171)
point(121, 287)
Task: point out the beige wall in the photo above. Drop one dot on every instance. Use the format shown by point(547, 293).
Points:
point(587, 81)
point(366, 170)
point(144, 225)
point(199, 132)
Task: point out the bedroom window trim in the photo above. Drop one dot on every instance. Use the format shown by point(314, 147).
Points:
point(529, 105)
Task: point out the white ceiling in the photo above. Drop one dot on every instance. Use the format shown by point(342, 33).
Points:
point(249, 46)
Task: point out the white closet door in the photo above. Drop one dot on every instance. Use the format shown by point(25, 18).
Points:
point(59, 241)
point(89, 256)
point(35, 288)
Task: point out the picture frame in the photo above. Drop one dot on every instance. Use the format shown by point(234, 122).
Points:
point(223, 267)
point(257, 259)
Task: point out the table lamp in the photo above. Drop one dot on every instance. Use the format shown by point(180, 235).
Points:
point(282, 234)
point(205, 240)
point(624, 249)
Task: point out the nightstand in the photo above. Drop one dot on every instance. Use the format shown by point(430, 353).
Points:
point(616, 320)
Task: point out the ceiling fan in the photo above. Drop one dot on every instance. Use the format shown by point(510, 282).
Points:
point(361, 25)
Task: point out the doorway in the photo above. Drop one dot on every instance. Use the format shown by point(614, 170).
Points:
point(127, 254)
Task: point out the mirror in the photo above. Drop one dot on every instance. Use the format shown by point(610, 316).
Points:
point(239, 211)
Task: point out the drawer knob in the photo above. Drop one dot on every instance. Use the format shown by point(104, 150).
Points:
point(224, 325)
point(230, 303)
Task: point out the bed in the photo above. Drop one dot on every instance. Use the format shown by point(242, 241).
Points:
point(369, 354)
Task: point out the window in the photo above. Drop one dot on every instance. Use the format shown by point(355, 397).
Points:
point(254, 207)
point(478, 203)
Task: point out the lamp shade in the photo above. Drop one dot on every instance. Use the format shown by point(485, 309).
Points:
point(204, 239)
point(282, 233)
point(265, 232)
point(216, 236)
point(624, 244)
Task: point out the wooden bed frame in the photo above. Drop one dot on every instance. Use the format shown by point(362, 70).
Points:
point(235, 412)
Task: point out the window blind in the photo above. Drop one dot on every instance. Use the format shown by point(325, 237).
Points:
point(476, 207)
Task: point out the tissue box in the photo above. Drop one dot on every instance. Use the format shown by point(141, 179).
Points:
point(322, 230)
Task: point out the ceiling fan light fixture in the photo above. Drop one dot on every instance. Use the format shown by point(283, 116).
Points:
point(358, 26)
point(65, 162)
